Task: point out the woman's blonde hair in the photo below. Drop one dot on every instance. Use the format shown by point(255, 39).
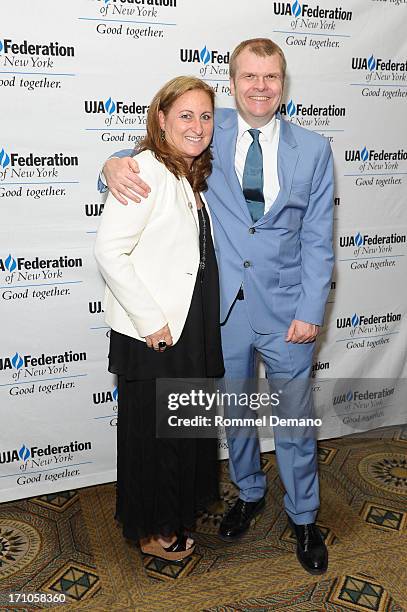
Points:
point(163, 100)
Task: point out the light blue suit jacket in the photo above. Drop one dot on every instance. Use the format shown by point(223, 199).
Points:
point(285, 265)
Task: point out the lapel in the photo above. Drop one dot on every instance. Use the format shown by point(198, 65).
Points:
point(226, 145)
point(287, 158)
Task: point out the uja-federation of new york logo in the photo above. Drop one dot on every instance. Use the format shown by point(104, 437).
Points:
point(15, 165)
point(313, 115)
point(51, 463)
point(375, 68)
point(380, 77)
point(360, 402)
point(312, 24)
point(21, 367)
point(133, 19)
point(304, 10)
point(372, 251)
point(23, 269)
point(368, 331)
point(212, 62)
point(115, 112)
point(28, 54)
point(46, 278)
point(37, 453)
point(381, 167)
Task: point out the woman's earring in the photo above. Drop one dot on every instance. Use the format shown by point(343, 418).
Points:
point(162, 135)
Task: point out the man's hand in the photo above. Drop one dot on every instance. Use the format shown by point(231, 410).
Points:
point(123, 181)
point(301, 332)
point(162, 334)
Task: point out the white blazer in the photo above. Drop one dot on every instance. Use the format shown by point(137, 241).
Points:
point(148, 254)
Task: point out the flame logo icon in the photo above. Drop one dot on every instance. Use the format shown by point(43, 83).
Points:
point(24, 453)
point(4, 159)
point(107, 1)
point(364, 154)
point(371, 62)
point(205, 55)
point(1, 46)
point(349, 396)
point(10, 263)
point(355, 320)
point(296, 10)
point(291, 108)
point(17, 361)
point(110, 106)
point(115, 394)
point(358, 239)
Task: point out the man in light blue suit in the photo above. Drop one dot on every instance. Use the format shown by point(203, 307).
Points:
point(271, 201)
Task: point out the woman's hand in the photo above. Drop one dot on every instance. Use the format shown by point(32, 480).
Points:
point(162, 335)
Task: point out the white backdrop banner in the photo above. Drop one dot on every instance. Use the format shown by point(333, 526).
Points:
point(76, 80)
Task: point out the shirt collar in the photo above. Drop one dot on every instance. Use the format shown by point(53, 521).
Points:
point(267, 131)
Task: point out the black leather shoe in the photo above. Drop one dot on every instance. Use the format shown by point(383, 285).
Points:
point(311, 550)
point(237, 521)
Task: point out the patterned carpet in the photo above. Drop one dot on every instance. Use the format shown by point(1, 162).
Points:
point(68, 543)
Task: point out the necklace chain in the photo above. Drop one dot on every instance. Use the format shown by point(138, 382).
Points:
point(202, 260)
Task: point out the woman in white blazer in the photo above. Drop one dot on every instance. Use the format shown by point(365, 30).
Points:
point(162, 303)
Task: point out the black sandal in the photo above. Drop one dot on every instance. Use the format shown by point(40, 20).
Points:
point(177, 551)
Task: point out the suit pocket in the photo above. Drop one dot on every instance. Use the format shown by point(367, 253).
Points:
point(301, 186)
point(289, 277)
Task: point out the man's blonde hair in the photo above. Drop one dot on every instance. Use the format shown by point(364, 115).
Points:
point(263, 47)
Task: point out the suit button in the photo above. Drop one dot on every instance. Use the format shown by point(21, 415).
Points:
point(247, 264)
point(252, 230)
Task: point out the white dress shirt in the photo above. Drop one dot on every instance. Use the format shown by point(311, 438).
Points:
point(269, 138)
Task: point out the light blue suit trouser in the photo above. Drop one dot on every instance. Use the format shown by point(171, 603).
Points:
point(295, 452)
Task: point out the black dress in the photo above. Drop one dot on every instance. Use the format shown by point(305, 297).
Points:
point(161, 482)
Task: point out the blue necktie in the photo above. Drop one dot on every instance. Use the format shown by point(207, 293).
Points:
point(252, 183)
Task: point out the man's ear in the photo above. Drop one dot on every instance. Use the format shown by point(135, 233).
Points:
point(232, 86)
point(161, 119)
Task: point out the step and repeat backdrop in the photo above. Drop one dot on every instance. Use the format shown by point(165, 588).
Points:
point(76, 79)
